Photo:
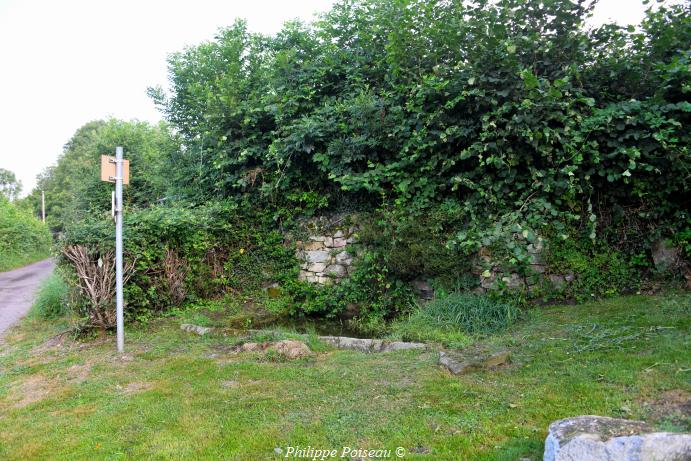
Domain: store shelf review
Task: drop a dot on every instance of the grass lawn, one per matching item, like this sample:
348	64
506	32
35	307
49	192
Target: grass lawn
175	395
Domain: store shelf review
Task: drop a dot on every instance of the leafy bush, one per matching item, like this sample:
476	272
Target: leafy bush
412	242
216	248
599	269
370	291
23	238
682	239
525	119
52	298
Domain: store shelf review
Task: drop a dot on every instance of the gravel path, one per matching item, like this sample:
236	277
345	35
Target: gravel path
17	291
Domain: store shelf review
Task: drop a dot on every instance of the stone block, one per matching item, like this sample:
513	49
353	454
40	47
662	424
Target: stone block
513	281
599	438
423	289
317	267
558	281
190	328
370	345
313	246
335	270
536	248
344	258
487	280
317	256
461	365
324	280
539	268
499	358
665	256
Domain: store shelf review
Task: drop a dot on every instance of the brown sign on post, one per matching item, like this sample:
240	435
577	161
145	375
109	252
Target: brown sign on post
108	169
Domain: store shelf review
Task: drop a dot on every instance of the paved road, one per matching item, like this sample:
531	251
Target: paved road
17	291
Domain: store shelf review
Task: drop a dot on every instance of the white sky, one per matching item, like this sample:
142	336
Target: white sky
64	63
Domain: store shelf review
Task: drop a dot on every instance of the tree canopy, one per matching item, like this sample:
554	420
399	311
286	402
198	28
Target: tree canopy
10	187
508	106
72	186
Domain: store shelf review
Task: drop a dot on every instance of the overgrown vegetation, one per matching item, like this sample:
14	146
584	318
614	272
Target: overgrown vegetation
53	298
452	317
456	130
73	190
181	255
23	238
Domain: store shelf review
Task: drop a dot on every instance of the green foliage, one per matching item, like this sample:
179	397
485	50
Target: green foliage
599	270
52	299
524	118
73	187
682	239
452	126
23	238
215	249
412	242
10	187
471	313
371	290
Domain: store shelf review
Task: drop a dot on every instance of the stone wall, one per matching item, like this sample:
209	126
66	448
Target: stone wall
492	277
326	255
328	246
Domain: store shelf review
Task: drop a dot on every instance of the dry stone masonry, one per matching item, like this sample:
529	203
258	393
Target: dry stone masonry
599	438
328	256
491	275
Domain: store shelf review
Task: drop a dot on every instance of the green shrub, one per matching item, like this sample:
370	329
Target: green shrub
187	252
682	239
412	241
523	118
599	269
462	124
371	289
23	238
52	299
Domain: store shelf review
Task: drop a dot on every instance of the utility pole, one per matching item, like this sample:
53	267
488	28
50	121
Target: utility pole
43	206
119	313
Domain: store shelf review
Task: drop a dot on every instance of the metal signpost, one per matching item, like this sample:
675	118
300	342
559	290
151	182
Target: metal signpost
117	170
118	249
